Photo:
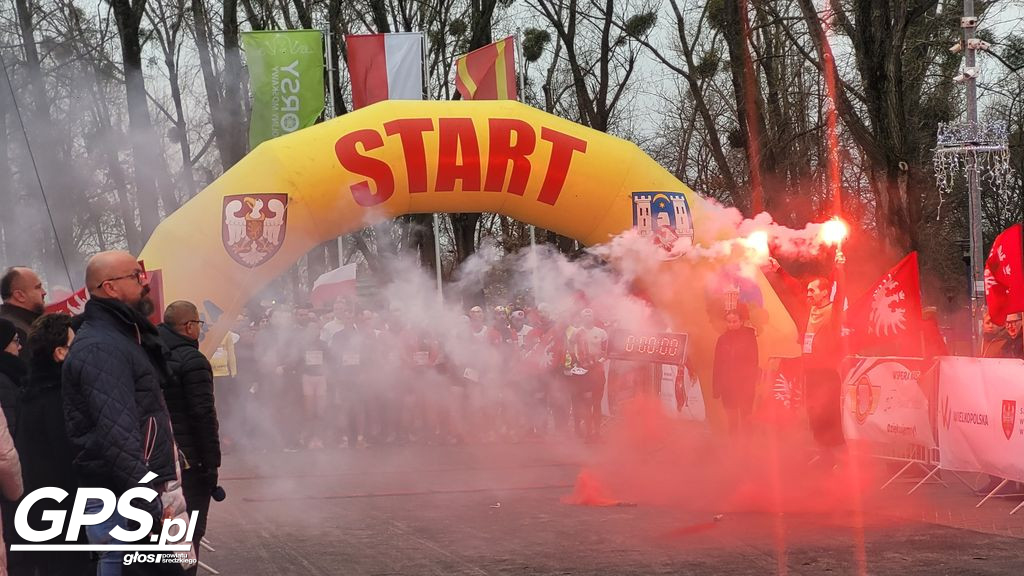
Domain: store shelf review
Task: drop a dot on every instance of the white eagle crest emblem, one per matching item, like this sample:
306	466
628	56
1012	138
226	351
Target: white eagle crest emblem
254	227
785	391
888	311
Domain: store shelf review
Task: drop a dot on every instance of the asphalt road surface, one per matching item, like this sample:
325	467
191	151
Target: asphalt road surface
499	509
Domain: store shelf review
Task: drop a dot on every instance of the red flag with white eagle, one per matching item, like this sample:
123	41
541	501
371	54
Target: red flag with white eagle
781	404
1004	280
886	321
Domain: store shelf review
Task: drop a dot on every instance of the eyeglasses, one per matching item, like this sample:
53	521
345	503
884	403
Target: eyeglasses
201	323
138	275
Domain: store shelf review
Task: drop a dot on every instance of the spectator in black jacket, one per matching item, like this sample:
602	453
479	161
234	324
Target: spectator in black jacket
114	409
42	441
12	370
190	401
12	373
736	371
23	298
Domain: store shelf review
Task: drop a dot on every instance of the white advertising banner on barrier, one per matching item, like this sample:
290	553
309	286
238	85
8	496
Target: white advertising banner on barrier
981	416
693	408
885	404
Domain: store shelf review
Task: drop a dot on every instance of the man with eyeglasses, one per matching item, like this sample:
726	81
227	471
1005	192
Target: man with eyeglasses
114	409
190	400
1014	346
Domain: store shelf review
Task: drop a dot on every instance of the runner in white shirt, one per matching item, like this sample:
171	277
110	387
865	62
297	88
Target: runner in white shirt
589	350
342	316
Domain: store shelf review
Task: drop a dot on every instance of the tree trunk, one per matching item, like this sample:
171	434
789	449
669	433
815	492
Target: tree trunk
58	182
128	16
746	90
188	180
421	239
334	27
222	132
464	225
234	88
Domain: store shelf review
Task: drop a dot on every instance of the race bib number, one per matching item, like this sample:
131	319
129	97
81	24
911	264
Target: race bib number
351	359
314	358
421	358
471	375
808	342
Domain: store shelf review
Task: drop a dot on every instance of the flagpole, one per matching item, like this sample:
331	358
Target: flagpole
436	223
522	99
329	60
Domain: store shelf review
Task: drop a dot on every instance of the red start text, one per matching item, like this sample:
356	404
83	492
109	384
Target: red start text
511	142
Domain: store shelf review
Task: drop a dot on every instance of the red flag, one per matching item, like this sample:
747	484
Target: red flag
886	321
73	305
488	73
1004	282
782	392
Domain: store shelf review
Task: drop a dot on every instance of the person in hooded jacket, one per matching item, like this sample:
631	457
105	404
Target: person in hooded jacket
115	416
42	442
10	478
190	401
12	372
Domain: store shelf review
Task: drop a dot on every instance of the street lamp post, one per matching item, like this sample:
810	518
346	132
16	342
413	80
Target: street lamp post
972	147
970	74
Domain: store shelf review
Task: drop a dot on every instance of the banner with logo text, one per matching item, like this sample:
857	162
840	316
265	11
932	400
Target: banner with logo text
686	406
286	78
885	404
981	415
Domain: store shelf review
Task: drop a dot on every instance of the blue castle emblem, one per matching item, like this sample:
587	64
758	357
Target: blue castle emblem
665	218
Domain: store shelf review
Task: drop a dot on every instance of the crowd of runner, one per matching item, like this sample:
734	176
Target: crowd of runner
294	378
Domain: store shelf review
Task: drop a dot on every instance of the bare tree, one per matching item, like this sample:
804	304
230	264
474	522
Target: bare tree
148	160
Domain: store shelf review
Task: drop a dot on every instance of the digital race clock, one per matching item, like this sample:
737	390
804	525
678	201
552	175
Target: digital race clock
660	347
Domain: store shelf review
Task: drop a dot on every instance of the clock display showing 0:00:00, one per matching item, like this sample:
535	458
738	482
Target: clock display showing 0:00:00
652	345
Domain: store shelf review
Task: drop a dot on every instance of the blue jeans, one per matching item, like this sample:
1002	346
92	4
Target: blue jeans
111	561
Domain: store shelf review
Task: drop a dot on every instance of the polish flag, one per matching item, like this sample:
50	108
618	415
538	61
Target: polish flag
385	67
331	285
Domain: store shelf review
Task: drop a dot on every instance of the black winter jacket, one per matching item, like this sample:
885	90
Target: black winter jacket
21	318
42	441
736	367
190	401
12	373
114	410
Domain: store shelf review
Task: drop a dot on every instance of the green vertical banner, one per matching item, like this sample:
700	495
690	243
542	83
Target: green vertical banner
286	78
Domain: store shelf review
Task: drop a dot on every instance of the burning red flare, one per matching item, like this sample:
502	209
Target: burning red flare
757	242
834	231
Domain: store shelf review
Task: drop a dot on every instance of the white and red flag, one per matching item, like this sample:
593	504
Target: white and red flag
1004	278
385	67
334	284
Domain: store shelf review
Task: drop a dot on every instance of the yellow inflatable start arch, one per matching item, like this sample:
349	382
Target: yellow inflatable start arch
396	158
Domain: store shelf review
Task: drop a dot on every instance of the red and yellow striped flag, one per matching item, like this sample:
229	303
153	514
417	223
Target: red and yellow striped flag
488	73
